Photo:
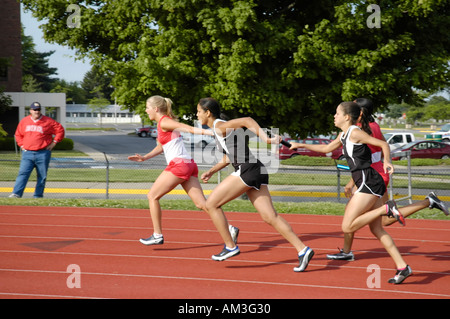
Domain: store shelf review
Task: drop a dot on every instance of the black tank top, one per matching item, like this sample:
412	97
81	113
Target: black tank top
235	145
358	155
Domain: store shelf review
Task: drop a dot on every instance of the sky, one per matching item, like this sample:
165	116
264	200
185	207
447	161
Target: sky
63	59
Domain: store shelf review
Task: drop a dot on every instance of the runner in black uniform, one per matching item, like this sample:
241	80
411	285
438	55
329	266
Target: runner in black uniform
235	145
250	177
359	159
370	185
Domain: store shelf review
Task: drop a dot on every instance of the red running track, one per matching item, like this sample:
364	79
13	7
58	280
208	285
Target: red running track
38	244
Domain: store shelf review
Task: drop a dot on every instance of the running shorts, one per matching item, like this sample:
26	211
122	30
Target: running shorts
369	181
378	166
252	174
183	168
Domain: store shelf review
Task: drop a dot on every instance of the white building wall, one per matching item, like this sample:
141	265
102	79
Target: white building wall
81	113
23	100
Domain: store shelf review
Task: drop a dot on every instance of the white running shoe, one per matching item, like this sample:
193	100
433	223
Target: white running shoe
304	260
234	232
152	241
226	253
435	202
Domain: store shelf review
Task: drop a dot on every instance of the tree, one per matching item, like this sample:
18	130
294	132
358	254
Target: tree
98	105
286	63
35	69
74	92
97	84
5	101
438	108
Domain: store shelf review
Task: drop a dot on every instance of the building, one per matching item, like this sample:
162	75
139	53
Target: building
81	113
11	73
11	46
11	58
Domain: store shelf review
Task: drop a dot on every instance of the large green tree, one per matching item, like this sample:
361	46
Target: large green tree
286	63
37	74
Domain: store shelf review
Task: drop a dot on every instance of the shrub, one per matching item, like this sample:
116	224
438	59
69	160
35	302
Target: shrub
7	144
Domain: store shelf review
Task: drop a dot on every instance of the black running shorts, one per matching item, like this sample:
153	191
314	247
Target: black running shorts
369	181
252	174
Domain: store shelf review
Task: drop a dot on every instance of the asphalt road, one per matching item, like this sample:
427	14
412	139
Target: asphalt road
117	144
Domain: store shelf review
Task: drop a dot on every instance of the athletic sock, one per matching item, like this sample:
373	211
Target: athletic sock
156	235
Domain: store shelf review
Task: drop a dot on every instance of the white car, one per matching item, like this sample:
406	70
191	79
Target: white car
398	139
197	140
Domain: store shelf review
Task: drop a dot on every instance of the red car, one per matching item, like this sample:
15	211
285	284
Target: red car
285	152
147	131
422	149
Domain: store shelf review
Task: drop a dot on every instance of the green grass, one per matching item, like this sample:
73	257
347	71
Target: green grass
9	171
311	208
179	204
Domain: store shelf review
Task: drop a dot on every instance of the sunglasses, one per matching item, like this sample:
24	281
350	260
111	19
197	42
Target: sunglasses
37	110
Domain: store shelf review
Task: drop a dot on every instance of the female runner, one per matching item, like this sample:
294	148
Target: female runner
181	168
431	201
370	184
250	177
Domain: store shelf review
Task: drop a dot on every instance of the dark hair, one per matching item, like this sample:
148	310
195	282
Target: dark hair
355	112
212	105
367	106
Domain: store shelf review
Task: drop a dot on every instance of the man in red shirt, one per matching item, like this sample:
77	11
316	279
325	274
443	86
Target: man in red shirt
36	135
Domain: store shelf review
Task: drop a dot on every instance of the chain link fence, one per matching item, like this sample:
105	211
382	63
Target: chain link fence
106	178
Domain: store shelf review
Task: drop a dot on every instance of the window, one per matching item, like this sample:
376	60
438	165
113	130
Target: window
3	73
4	62
396	139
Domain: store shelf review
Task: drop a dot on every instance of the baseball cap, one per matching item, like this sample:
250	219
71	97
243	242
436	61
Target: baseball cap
35	105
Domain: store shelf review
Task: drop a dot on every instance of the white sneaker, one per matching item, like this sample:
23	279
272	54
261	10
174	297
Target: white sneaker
435	202
152	241
304	260
226	253
234	232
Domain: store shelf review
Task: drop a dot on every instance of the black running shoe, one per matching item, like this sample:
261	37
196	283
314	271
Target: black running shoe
401	275
435	202
226	253
393	212
342	256
304	260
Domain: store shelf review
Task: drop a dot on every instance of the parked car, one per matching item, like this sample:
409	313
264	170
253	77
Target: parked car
422	149
284	152
147	131
444	132
197	139
396	140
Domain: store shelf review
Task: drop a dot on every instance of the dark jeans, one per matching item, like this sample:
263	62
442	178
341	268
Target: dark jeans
30	160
